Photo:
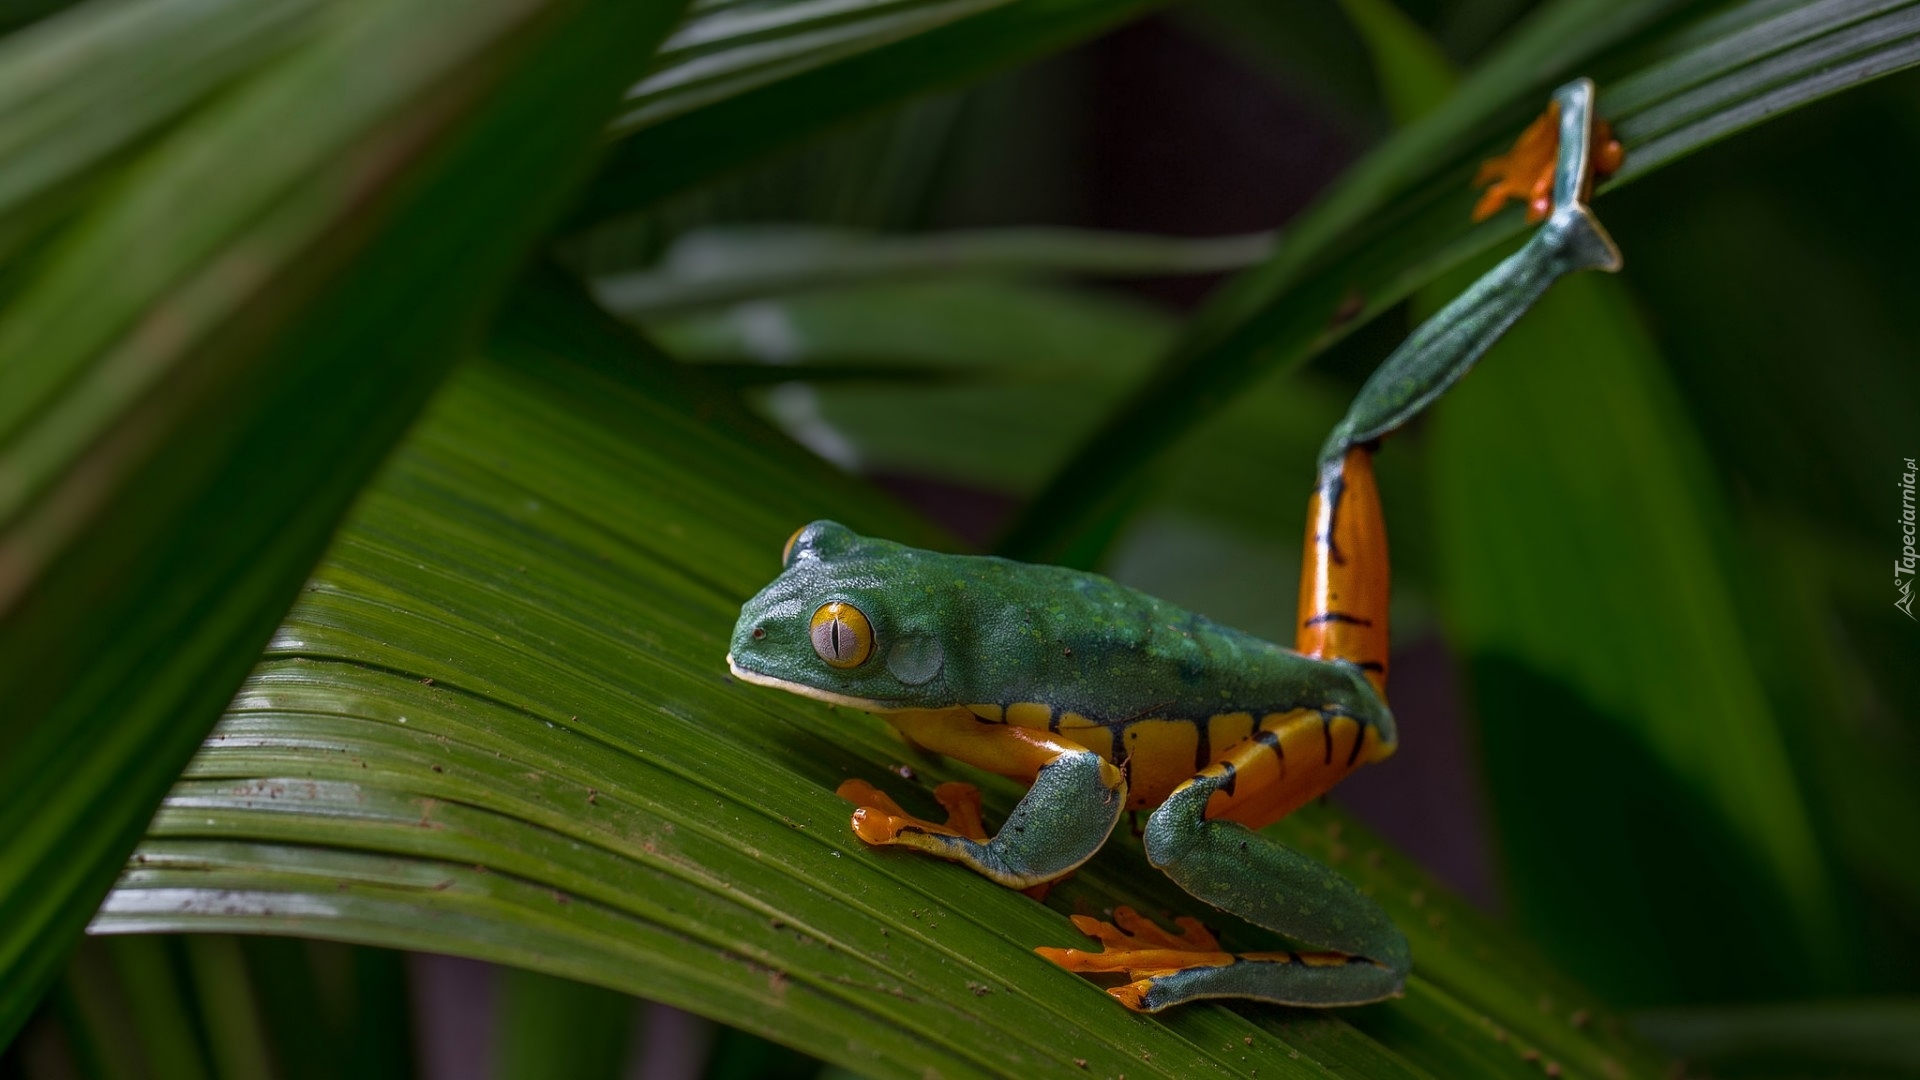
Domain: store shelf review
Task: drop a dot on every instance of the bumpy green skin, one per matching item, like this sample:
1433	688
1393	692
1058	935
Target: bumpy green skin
955	631
965	629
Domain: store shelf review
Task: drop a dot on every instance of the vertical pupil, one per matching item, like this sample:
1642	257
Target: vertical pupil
840	634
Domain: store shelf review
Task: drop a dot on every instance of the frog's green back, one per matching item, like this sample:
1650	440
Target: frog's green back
1039	646
1084	643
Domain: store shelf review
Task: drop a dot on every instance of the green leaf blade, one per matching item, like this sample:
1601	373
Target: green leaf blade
1594	604
499	725
679	152
1399	219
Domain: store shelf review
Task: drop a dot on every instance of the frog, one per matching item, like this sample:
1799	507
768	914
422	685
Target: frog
1102	699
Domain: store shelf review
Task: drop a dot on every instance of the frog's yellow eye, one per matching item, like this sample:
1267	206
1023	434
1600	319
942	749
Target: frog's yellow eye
842	635
786	551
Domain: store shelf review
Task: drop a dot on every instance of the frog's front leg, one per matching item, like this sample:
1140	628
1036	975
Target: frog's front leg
1075	800
1236	869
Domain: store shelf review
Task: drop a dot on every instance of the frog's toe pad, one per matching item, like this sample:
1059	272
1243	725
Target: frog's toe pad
962	803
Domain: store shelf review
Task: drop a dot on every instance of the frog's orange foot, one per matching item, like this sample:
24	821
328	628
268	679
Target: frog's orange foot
1145	953
1135	945
880	820
1525	172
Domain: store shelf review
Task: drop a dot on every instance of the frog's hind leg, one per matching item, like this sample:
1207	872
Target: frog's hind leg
1200	837
1343	582
1344	575
1075	800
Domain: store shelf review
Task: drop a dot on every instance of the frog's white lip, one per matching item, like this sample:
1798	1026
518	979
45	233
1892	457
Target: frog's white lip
757	679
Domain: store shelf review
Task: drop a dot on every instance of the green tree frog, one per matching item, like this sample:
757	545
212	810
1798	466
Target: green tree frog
1104	699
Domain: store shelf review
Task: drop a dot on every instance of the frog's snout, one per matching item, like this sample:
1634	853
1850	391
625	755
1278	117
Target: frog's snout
752	647
758	678
733	666
745	637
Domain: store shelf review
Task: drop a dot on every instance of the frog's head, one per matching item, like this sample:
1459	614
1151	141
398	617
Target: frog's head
849	620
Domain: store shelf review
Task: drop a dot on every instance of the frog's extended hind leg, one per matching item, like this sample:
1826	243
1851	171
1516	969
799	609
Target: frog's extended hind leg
1343	581
1075	800
1200	838
1203	835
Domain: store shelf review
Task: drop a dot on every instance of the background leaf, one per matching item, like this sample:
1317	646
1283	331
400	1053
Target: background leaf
1657	754
1864	1037
1009	374
1400	217
154	1008
710	267
1415	76
61	121
173	346
668	157
1782	272
558	1027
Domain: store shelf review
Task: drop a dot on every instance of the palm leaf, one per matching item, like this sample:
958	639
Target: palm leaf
728	49
716	266
60	123
291	266
497	724
674	153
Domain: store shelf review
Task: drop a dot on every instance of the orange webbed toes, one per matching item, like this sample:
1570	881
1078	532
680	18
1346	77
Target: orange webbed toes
880	820
877	819
962	803
861	793
1107	934
1133	995
1525	172
1071	959
1134	944
1148	934
1196	936
1134	963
